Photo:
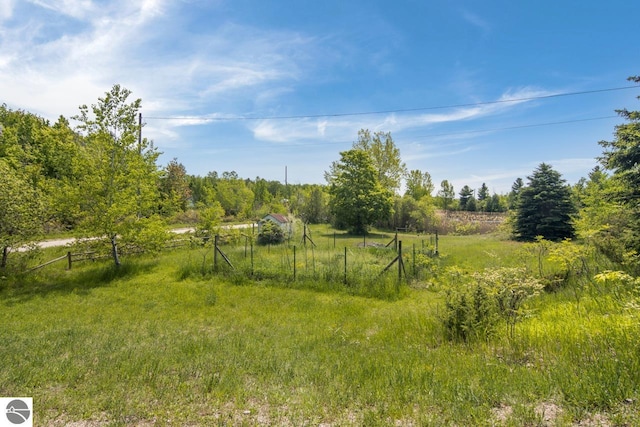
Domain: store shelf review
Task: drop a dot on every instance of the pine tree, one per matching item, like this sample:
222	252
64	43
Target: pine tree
545	207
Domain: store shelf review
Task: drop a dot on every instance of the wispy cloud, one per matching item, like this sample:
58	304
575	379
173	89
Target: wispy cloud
328	128
59	55
475	20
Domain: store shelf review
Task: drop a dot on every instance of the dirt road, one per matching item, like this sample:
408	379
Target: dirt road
64	242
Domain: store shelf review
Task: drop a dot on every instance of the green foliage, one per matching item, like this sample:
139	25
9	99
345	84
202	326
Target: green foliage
20	211
472	312
174	188
234	196
357	197
466	194
385	157
622	156
120	184
314	209
270	233
446	194
603	221
545	207
514	195
145	234
419	184
209	220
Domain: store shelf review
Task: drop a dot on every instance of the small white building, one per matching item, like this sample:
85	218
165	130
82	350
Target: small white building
282	221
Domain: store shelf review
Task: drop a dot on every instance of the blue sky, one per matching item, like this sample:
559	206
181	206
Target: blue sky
218	79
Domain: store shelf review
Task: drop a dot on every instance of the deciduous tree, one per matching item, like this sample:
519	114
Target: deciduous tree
446	194
121	181
385	157
419	184
20	211
358	199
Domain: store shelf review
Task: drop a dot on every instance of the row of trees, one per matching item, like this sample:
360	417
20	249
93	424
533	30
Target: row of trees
101	178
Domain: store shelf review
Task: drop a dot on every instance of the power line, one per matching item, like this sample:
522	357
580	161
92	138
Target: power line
403	110
334	142
517	127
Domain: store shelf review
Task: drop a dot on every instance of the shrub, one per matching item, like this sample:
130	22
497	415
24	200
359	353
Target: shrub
473	311
270	233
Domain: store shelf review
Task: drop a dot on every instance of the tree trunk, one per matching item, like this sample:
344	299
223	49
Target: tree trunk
5	254
114	251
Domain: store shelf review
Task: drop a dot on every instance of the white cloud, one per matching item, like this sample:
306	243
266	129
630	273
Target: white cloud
6	9
51	68
326	128
475	20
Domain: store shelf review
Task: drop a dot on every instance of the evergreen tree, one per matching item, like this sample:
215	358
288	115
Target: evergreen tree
514	194
545	207
466	193
622	156
483	197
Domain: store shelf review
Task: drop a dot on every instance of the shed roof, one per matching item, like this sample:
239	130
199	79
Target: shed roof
278	217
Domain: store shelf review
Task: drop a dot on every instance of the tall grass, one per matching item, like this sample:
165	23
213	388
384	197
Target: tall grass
159	342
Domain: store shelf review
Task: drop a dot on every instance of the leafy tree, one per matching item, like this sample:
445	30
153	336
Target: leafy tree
358	199
545	207
423	216
446	194
622	156
121	177
314	210
385	157
20	211
174	188
261	194
466	193
419	184
234	196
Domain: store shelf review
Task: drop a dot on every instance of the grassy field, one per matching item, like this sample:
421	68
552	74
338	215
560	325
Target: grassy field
161	342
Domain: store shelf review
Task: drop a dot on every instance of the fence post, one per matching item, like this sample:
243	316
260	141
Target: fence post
399	261
215	253
252	258
437	242
294	263
345	265
69	260
414	261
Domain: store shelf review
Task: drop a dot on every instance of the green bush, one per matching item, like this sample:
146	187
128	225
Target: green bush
270	233
473	311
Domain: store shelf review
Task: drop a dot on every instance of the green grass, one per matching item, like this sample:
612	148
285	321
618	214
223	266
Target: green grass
151	345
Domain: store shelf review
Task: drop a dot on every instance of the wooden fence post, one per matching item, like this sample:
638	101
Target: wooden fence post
69	260
345	265
400	261
215	253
